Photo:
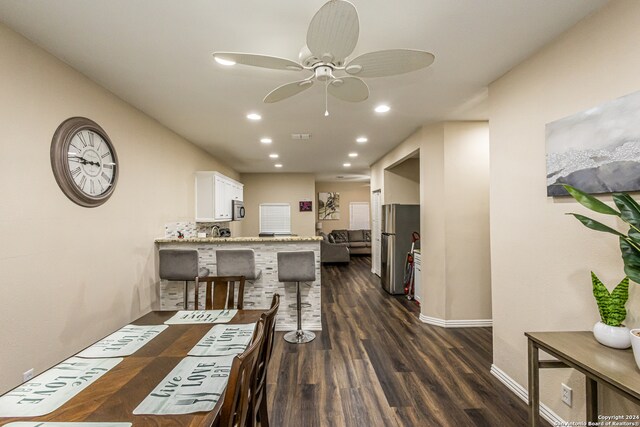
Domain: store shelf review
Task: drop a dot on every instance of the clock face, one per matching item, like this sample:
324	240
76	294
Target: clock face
91	162
84	162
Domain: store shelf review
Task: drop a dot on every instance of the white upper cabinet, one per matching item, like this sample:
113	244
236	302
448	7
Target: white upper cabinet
214	195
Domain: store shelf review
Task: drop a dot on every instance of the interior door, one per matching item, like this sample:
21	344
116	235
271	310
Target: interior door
376	231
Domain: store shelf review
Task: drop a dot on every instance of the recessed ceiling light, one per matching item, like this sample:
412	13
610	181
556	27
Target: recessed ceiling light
353	154
382	108
254	116
226	62
266	140
274	156
361	140
278	165
346	165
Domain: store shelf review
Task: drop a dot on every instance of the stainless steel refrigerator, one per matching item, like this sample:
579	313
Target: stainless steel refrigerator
398	224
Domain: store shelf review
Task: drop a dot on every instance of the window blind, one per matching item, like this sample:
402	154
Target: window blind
275	218
359	216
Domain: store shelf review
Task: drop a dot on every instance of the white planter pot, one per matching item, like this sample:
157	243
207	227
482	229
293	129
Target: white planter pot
612	336
635	344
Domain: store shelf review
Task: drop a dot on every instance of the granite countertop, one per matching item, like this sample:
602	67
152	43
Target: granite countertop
239	239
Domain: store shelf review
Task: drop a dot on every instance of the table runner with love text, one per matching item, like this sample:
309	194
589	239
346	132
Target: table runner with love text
53	388
194	385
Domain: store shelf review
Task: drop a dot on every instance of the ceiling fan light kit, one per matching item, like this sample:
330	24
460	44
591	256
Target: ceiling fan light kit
332	36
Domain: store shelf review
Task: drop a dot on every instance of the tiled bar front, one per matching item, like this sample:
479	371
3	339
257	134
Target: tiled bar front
258	294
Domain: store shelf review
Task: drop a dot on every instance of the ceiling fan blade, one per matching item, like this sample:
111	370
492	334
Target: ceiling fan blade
255	60
389	62
287	90
333	31
350	89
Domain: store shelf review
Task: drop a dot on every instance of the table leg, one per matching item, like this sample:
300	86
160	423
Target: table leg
534	385
592	399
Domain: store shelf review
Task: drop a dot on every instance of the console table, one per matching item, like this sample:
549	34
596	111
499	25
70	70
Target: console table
580	351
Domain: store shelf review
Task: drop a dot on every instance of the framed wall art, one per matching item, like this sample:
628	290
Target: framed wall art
596	150
328	206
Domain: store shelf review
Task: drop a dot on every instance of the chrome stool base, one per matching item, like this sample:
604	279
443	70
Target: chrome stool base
299	337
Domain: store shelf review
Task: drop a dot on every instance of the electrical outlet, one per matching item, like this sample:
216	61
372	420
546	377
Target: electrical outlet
567	394
27	375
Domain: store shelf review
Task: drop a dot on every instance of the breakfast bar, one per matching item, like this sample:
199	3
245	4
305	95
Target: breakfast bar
258	293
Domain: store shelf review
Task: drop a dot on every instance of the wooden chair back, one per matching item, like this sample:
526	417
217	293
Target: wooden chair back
258	405
220	292
235	406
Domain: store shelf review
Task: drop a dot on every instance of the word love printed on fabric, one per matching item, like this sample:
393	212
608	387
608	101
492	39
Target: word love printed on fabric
194	385
51	389
224	340
123	342
201	316
54	424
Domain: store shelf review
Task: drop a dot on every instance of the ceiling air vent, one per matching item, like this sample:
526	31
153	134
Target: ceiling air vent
300	136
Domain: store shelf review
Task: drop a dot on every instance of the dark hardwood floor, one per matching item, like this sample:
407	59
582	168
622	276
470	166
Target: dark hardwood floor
376	364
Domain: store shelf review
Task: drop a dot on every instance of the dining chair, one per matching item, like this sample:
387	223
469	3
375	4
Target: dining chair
238	262
220	290
258	413
235	407
181	265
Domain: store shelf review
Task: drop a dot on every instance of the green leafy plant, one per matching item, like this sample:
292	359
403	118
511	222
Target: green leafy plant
611	305
629	213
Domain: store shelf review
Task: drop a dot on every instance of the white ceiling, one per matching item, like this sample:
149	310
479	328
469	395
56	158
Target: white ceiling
156	54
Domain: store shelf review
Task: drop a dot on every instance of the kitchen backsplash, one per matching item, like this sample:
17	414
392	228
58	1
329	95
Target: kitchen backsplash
191	229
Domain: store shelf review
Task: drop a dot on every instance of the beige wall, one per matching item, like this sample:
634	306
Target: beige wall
349	192
70	275
402	182
466	178
454	215
541	258
279	188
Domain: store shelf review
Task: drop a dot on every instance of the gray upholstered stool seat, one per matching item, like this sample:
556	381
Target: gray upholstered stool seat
238	262
297	267
181	265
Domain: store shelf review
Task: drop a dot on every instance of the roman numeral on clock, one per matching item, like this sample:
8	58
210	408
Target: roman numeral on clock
91	139
76	172
105	177
83	181
84	143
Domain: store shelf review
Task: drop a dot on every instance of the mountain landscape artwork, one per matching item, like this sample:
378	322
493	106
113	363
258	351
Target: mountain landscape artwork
597	150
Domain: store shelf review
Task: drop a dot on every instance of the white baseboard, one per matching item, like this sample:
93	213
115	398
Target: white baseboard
470	323
523	394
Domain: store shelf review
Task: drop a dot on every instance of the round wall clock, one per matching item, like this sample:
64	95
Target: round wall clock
84	162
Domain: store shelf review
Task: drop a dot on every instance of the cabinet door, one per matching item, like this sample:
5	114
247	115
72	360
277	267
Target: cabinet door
204	197
236	191
220	198
418	275
228	196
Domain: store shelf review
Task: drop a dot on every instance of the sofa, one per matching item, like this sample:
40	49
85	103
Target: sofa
333	252
358	241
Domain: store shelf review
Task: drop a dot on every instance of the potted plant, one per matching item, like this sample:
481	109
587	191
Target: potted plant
610	331
629	212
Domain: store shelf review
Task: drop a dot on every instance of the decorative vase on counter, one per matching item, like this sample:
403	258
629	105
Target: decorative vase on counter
613	336
634	334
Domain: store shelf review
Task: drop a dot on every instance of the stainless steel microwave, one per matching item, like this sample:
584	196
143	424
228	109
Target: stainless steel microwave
238	210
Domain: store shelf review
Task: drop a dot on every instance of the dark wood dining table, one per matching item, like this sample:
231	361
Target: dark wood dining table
115	395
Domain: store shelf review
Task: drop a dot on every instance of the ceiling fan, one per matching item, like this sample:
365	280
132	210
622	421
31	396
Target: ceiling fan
331	38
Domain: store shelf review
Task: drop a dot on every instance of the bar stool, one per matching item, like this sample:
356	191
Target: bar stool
238	262
297	267
181	265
